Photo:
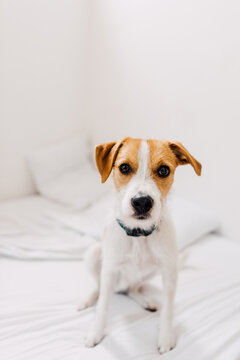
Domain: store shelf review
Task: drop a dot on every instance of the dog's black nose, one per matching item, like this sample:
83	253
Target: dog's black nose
142	204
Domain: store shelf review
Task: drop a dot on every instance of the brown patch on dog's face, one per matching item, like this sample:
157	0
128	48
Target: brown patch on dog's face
127	155
160	154
171	154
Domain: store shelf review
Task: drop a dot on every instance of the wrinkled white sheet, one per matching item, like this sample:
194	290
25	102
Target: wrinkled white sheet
38	317
190	220
36	228
26	231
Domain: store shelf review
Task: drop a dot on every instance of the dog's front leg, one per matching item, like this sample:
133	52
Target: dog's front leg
166	339
107	281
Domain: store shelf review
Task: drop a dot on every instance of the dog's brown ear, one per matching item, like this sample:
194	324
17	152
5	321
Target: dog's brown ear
184	157
105	155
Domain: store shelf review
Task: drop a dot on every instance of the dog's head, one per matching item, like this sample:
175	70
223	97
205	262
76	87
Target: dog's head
143	172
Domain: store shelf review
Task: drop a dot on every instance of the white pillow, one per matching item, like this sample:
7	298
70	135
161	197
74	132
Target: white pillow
191	221
78	188
51	161
63	173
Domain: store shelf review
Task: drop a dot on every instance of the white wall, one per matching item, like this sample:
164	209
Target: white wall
170	69
42	81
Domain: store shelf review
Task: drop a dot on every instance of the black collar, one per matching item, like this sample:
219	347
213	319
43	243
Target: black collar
136	232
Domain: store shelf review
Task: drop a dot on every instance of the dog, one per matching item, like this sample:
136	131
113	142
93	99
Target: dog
139	238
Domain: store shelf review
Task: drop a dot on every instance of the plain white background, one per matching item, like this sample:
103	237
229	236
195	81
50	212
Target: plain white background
142	68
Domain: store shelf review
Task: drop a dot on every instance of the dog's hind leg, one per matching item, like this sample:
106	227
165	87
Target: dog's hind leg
93	265
148	303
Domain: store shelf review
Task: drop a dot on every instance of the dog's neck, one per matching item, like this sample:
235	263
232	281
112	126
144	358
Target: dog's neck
136	232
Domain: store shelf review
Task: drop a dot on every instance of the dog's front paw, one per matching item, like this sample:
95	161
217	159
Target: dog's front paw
93	338
166	343
151	305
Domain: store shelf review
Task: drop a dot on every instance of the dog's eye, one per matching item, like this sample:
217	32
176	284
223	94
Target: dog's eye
125	169
163	171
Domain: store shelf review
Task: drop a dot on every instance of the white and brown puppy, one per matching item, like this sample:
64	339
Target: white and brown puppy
139	239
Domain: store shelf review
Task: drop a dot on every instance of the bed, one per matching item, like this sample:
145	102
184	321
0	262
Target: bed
42	277
43	239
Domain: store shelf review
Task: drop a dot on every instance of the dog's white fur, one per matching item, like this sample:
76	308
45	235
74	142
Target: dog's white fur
126	262
142	182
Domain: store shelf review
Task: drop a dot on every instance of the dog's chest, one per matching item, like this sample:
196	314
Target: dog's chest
138	252
137	265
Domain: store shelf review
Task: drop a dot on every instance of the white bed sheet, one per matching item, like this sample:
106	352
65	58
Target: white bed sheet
39	320
27	232
37	228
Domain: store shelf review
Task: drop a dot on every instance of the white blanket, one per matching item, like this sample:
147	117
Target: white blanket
39	320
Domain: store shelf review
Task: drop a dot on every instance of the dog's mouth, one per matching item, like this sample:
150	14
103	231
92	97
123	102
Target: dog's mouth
136	231
141	217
